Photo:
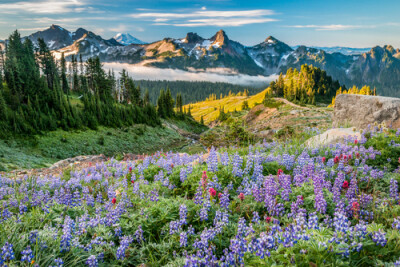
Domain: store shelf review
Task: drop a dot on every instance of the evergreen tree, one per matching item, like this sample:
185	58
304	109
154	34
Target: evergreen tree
146	98
64	80
169	103
161	105
179	103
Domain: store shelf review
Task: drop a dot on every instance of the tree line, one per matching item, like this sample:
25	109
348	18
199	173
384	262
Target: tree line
365	90
39	93
194	91
305	86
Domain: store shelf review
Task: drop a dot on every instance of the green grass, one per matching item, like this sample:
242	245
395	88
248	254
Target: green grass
44	150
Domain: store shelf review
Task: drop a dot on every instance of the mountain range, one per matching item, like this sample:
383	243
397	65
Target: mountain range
378	67
340	49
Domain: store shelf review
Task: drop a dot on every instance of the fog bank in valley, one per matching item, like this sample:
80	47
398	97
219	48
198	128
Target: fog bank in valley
213	75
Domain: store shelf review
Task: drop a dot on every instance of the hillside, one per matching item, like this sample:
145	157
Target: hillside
41	151
210	109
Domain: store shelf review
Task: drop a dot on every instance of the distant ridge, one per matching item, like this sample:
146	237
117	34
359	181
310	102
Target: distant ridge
378	67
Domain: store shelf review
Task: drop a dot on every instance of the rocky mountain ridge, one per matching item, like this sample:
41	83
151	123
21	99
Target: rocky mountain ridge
379	67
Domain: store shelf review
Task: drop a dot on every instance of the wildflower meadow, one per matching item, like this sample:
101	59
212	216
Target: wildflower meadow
269	204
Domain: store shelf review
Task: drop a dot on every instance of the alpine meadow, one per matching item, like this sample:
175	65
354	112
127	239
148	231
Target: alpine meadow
199	133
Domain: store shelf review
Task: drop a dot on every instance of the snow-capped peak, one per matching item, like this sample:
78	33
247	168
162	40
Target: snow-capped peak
127	39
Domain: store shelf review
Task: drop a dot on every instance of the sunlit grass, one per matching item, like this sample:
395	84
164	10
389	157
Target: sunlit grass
209	109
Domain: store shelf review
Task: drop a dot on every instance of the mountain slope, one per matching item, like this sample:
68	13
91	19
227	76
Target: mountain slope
57	37
127	39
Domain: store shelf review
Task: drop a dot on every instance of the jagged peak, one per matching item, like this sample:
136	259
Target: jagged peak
389	48
192	37
56	27
271	40
220	37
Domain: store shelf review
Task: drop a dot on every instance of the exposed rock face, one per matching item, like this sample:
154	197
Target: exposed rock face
332	136
360	111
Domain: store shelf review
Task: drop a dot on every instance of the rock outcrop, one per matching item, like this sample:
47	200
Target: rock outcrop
361	110
333	136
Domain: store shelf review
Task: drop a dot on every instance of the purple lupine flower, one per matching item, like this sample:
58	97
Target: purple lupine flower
212	160
379	237
124	244
27	255
394	189
92	261
341	222
183	175
396	223
139	234
58	262
7	253
183	214
224	199
183	239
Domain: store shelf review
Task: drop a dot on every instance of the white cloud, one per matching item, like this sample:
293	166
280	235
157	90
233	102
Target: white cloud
206	13
204	17
47	20
213	75
332	27
119	28
160	20
31	29
43	7
221	22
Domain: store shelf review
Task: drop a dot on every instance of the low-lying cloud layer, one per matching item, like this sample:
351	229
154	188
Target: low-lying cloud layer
216	75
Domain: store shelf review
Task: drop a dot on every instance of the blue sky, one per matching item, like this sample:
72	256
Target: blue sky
321	23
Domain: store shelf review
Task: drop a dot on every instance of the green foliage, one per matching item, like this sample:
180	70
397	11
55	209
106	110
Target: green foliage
36	95
245	105
222	115
165	104
269	102
285	133
306	86
390	152
43	150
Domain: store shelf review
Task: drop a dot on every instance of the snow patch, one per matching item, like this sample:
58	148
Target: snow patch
258	63
285	57
50	44
216	45
206	43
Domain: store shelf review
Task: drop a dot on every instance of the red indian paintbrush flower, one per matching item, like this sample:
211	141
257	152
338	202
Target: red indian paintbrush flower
280	171
323	159
241	196
336	160
268	219
114	200
345	185
356	141
212	192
